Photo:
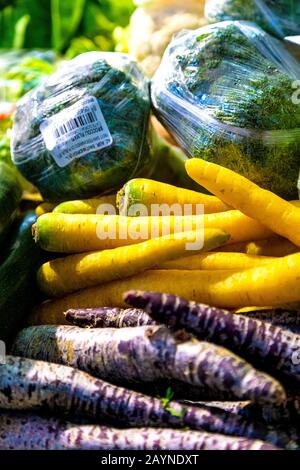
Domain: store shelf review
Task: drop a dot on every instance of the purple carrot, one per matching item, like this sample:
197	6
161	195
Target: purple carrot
184	391
283	419
267	414
29	385
287	319
235	407
148	354
30	432
286	413
273	348
108	317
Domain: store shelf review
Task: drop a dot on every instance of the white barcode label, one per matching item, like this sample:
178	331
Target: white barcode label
76	131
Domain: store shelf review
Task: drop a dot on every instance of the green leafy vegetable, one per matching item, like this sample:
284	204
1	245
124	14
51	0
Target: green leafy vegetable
122	94
225	92
279	17
169	397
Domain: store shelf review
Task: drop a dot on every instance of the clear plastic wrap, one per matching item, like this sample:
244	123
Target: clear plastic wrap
83	132
225	93
279	17
155	22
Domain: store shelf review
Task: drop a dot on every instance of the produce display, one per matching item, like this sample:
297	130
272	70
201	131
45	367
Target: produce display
225	93
278	17
149	227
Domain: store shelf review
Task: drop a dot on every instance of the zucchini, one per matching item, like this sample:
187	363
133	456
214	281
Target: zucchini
17	277
10	196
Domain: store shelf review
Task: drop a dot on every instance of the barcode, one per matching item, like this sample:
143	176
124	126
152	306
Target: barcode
76	123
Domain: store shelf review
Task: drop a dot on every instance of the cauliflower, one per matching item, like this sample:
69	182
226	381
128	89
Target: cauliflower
154	24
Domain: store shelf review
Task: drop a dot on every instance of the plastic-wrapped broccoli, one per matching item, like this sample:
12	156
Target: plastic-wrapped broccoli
225	93
84	130
279	17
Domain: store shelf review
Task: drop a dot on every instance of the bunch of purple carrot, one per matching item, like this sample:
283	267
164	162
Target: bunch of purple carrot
165	374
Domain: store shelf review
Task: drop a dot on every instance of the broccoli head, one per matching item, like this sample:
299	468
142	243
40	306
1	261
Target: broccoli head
278	17
121	93
225	93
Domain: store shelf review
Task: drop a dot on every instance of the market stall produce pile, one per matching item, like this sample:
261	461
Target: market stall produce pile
219	373
150	292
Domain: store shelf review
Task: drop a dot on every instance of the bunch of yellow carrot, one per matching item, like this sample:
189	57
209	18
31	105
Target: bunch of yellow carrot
250	254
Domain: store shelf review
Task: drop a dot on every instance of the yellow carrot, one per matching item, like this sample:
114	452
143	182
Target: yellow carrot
151	193
246	310
272	247
35	197
217	262
65	275
280	216
289	307
44	208
73	233
274	284
87	206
